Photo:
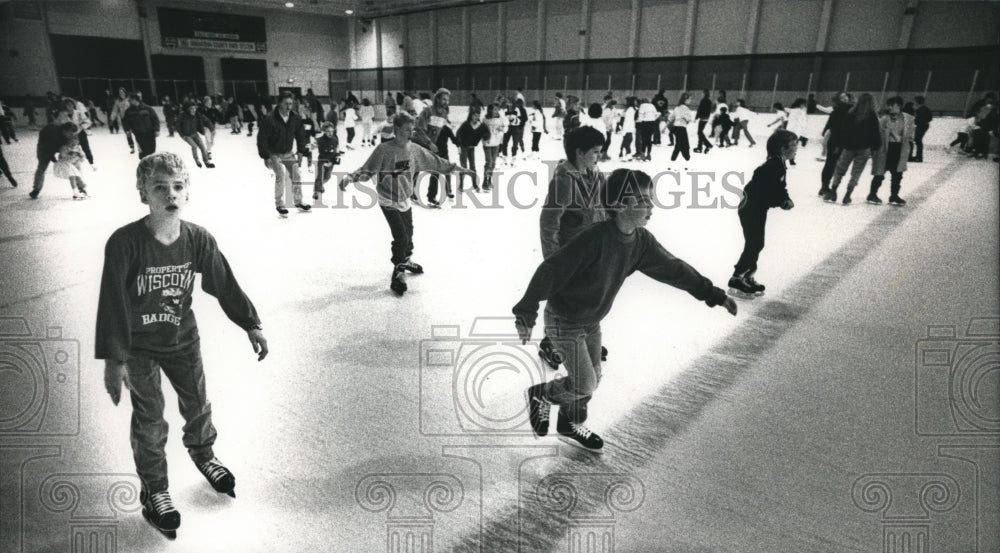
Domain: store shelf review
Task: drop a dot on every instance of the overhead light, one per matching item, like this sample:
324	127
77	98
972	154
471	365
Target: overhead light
289	4
349	12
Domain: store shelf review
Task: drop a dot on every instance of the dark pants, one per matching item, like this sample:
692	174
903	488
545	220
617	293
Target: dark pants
829	166
324	168
401	227
724	137
607	142
147	143
703	143
919	141
646	130
432	188
149	429
893	153
350	134
85	145
656	132
626	147
43	165
536	137
467	158
128	137
7	130
752	219
681	146
517	136
5	169
171	128
506	141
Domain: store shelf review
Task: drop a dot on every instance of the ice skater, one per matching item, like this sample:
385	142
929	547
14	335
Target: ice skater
279	133
192	126
766	189
394	166
145	325
898	132
579	283
70	161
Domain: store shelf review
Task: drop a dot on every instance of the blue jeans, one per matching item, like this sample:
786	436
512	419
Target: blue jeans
859	158
581	345
149	430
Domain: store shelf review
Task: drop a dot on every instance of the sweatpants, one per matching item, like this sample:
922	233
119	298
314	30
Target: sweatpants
702	139
536	137
467	158
489	163
401	227
149	429
581	346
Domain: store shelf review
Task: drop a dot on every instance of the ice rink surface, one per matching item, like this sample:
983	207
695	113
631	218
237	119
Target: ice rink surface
852	407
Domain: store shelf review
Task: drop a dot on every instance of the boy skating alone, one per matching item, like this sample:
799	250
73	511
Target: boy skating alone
145	325
580	282
394	166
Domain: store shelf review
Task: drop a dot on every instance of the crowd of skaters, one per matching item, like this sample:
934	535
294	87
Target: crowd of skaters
589	248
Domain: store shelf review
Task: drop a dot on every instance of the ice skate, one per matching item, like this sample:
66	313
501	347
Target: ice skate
398	282
896	201
578	435
874	199
538	410
739	287
411	267
304	208
831	197
218	476
758	288
282	212
158	509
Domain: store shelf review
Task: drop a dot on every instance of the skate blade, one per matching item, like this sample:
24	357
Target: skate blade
231	493
741	294
578	445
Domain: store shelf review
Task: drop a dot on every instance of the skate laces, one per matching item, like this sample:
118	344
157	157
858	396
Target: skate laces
213	470
161	502
580	429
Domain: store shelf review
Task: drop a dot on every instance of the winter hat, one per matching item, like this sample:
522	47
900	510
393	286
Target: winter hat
441	91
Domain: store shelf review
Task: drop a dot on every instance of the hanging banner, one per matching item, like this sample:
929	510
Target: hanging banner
211	31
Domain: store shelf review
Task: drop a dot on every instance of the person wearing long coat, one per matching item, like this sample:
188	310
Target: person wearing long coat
898	130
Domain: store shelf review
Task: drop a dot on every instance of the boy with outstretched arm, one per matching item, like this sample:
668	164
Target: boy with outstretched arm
394	166
145	325
580	282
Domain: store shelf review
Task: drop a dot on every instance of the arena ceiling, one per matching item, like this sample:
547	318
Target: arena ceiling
361	8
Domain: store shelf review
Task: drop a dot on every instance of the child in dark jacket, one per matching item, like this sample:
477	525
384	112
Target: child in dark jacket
469	135
579	282
327	146
765	190
857	135
725	124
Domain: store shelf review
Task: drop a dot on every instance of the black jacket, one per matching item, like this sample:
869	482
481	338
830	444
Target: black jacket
704	108
276	136
468	137
50	139
141	119
767	187
849	134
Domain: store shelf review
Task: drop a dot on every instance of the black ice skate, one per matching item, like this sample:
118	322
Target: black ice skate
758	288
874	199
897	201
604	353
159	511
412	267
538	409
552	357
282	212
218	476
304	208
739	287
831	197
578	435
398	282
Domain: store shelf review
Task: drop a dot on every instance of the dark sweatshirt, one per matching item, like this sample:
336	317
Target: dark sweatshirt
188	125
766	188
327	147
468	137
50	139
849	134
275	136
704	109
141	119
582	279
145	300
